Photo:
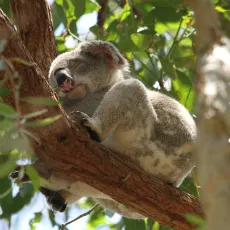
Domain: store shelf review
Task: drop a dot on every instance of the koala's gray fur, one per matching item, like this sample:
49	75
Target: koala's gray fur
151	128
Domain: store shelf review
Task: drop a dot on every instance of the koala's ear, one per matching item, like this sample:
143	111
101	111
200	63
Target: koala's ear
105	50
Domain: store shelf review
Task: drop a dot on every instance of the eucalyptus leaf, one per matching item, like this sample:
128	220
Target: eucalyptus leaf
41	101
3	91
7	111
36	220
42	122
34	177
132	224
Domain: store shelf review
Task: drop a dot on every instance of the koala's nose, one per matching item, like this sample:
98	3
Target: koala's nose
61	75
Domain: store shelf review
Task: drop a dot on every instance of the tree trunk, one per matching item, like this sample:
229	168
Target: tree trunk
213	112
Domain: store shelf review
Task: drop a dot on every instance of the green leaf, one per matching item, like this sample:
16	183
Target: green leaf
42	122
158	3
7	164
5	6
36	220
131	224
6	124
52	217
19	60
142	41
125	13
2	67
183	88
91	6
196	220
188	187
168	67
97	217
79	7
7	111
35	114
34	177
10	204
69	8
97	31
58	15
41	101
3	91
73	26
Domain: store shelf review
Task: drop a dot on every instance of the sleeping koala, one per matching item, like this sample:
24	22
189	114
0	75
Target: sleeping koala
122	114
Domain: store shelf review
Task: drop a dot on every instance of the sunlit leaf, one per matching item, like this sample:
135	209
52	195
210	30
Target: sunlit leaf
193	219
158	3
91	6
19	60
125	13
34	177
142	41
41	101
36	220
35	114
42	122
96	218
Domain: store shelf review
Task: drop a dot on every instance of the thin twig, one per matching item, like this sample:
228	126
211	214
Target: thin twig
15	87
82	215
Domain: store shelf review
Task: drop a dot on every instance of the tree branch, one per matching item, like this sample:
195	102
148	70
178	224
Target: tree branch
34	23
213	112
75	156
102	13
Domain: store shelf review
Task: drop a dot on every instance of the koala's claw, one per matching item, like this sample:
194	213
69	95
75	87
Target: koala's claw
85	122
78	115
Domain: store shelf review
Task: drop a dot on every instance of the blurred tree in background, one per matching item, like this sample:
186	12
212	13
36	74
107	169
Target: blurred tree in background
157	38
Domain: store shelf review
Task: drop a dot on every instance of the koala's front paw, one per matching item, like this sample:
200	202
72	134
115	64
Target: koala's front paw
54	199
86	122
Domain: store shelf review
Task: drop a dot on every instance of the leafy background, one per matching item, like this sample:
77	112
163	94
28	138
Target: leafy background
157	38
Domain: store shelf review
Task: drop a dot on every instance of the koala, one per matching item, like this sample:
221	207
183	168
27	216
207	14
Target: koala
153	129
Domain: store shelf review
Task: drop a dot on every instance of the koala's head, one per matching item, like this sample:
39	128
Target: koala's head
92	66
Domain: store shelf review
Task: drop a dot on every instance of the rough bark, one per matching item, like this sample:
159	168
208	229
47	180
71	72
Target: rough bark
34	23
102	13
75	156
213	112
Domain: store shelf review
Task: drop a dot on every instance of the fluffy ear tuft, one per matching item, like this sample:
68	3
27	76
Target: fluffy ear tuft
107	51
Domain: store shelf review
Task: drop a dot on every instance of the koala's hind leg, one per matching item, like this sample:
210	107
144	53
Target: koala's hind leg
125	109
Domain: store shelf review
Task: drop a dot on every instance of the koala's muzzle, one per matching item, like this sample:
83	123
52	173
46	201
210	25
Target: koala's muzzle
64	80
61	75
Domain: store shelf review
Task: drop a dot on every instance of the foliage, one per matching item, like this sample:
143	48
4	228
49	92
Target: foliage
157	38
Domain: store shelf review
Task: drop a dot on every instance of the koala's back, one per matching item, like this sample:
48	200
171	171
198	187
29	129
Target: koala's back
175	125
